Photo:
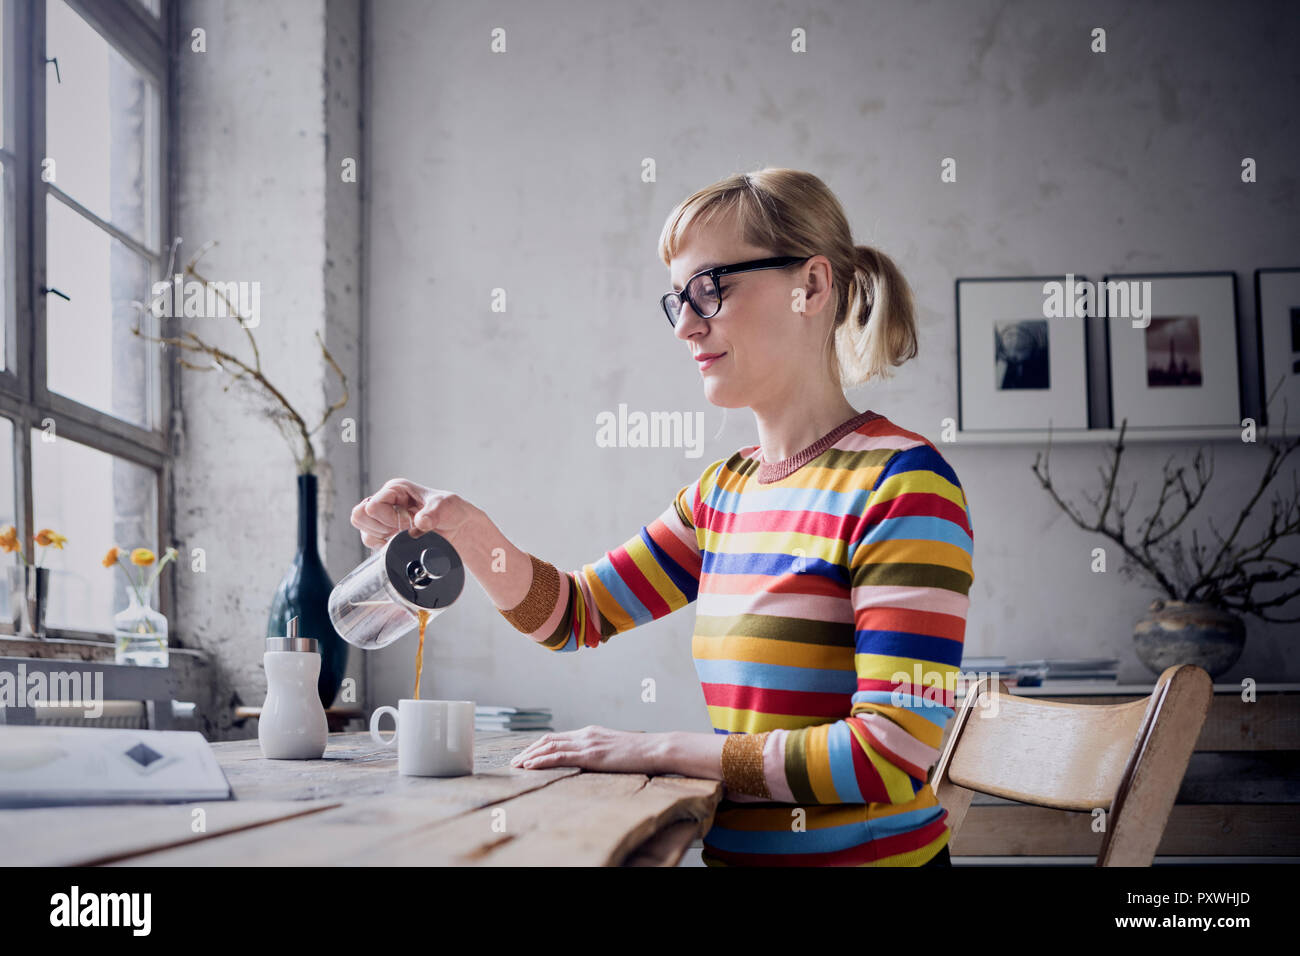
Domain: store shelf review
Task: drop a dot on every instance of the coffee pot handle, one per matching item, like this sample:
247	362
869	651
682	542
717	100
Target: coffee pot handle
374	726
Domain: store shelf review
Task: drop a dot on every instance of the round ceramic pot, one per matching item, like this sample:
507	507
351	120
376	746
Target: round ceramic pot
1175	632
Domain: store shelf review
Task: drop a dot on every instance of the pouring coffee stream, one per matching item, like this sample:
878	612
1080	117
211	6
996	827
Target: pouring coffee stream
419	652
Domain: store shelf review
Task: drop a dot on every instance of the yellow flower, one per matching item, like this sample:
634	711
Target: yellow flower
9	538
142	557
110	559
47	538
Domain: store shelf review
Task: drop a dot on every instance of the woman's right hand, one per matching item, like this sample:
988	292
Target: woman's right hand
402	505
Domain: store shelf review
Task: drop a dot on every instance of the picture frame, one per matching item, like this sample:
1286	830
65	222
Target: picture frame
1183	368
1017	369
1277	334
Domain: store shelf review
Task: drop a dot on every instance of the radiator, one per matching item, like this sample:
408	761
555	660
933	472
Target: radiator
130	714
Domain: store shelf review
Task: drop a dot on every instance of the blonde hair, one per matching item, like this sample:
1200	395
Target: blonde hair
792	212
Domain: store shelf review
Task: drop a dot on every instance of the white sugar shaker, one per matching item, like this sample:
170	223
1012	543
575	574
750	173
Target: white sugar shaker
292	725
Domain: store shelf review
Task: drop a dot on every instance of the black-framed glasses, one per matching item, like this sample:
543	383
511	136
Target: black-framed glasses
705	295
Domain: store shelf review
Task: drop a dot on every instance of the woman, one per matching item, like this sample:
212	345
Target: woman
832	560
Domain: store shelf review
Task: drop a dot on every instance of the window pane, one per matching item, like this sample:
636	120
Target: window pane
7	510
96	501
101	126
8	266
91	354
4	77
8	233
153	6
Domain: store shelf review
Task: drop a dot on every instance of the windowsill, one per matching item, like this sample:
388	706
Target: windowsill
61	648
67	648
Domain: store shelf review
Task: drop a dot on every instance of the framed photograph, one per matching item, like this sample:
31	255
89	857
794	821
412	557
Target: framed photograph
1277	330
1172	349
1020	366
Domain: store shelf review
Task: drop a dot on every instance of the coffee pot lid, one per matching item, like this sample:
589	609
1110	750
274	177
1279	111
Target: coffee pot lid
425	571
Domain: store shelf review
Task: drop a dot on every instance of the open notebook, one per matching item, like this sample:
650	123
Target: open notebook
54	766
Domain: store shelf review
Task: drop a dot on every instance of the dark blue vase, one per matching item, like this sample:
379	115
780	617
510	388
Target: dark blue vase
305	593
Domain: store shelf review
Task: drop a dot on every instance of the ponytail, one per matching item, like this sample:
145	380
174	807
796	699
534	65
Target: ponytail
877	326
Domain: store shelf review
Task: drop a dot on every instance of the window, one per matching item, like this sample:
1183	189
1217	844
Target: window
84	403
7	516
103	498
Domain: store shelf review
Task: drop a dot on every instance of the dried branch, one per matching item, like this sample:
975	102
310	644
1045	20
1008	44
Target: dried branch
1225	575
343	381
1225	555
1098	525
292	424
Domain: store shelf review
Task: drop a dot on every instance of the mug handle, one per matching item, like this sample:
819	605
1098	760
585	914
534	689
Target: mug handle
374	726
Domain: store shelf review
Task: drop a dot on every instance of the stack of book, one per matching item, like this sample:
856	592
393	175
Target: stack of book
512	718
990	666
1099	670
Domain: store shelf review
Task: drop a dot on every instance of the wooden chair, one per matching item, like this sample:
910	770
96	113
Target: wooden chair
1128	759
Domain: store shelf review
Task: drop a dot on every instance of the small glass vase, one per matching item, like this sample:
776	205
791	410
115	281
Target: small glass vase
140	632
29	591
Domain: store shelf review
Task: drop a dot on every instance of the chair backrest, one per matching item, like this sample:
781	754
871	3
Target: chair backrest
1128	759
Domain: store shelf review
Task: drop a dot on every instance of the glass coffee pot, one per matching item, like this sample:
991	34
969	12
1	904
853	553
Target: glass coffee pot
380	599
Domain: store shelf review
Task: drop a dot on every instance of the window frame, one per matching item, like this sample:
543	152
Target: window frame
24	396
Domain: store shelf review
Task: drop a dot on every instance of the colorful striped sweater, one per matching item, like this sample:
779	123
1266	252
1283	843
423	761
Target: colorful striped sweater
832	591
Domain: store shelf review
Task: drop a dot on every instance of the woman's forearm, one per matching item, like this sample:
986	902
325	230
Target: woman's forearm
504	571
692	755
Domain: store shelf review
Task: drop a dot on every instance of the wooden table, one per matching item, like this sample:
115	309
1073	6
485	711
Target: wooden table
353	808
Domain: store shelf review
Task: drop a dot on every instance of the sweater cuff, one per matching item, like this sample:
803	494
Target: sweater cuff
742	764
536	607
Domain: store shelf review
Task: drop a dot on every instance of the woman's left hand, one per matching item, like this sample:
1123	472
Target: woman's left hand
594	748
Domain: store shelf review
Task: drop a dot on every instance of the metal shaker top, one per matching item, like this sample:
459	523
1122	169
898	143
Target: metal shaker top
293	642
425	571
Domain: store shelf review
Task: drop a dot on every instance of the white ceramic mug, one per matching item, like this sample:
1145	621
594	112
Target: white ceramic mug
437	736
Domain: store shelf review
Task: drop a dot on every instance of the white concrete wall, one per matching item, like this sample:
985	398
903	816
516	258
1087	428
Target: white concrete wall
263	117
522	171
